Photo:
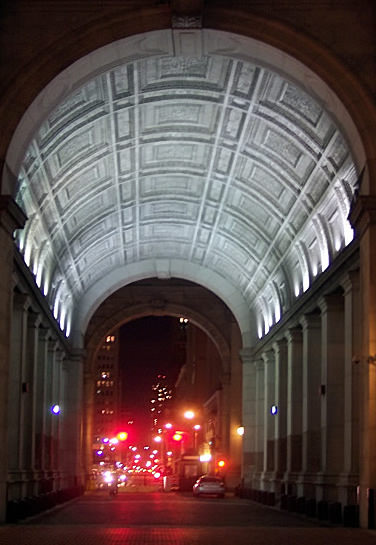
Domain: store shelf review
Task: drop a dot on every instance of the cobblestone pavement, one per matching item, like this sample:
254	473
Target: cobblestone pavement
174	519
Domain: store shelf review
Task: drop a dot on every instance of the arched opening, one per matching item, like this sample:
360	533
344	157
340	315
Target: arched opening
203	349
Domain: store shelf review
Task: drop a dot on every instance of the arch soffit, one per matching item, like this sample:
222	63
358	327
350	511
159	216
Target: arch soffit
169	309
165	269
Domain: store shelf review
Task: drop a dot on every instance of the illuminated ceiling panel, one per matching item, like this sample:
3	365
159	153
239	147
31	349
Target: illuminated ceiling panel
209	159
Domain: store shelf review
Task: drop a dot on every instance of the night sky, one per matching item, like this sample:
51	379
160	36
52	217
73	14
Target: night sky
148	347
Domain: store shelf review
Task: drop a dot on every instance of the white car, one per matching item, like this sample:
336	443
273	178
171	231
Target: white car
209	485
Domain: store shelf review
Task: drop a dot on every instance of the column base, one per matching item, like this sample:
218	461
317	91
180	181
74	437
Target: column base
348	488
326	486
306	484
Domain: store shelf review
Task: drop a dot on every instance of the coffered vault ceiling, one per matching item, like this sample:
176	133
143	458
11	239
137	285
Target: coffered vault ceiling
207	159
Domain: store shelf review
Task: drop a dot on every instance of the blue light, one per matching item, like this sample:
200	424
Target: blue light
274	410
55	409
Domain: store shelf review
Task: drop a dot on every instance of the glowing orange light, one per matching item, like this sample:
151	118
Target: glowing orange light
221	463
177	437
122	436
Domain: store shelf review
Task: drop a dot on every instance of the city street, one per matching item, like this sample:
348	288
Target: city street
155	518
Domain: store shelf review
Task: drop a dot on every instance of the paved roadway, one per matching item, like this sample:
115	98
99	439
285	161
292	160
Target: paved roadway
157	518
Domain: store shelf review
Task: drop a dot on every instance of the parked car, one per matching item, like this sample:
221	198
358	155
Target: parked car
209	485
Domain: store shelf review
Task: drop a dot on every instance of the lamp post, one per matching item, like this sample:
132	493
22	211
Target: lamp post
196	429
240	432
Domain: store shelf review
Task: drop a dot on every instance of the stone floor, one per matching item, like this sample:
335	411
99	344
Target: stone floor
174	519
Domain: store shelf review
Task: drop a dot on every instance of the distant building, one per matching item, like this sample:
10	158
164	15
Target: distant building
107	390
160	401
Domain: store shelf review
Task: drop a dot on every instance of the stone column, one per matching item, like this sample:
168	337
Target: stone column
58	393
311	426
29	407
21	304
294	408
363	217
260	392
11	218
41	409
349	479
72	419
332	396
224	423
249	418
269	418
50	418
280	444
236	404
89	389
19	337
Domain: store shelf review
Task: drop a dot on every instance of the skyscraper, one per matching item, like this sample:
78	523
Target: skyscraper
107	389
160	401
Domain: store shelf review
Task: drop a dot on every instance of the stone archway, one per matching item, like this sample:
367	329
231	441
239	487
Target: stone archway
192	302
351	103
161	308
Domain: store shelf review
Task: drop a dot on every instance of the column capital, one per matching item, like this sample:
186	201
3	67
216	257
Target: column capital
279	345
310	321
363	214
294	334
246	355
12	216
34	319
45	333
268	356
21	301
350	281
53	344
74	358
59	354
331	301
